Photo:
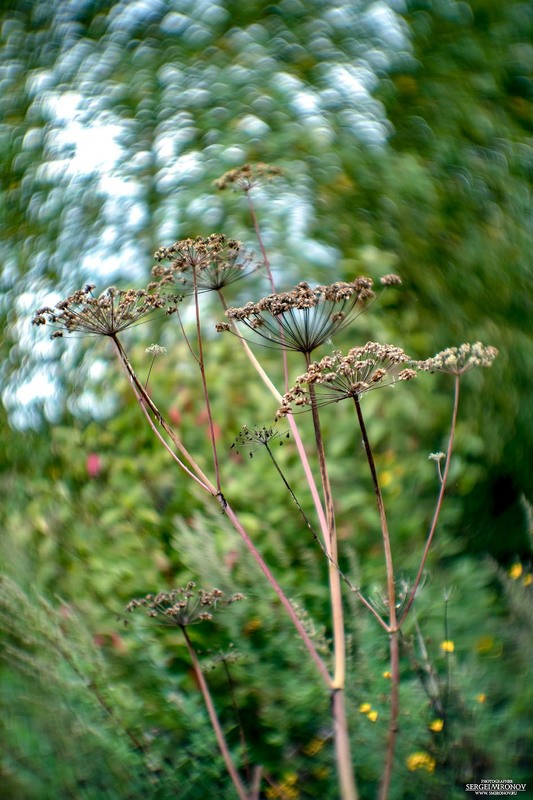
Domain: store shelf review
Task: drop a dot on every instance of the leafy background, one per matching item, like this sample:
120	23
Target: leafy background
404	132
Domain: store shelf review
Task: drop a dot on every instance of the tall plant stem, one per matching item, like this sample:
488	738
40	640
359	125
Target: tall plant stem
146	403
221	739
201	365
322	546
230	513
438	506
266	262
394	645
292	424
342	739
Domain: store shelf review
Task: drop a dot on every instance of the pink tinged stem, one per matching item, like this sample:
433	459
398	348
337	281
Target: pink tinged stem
293	426
143	401
280	593
348	789
438	507
221	739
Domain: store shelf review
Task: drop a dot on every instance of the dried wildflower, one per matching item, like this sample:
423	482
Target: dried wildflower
247	176
458	360
248	439
337	377
390	280
304	318
106	315
184	606
209	263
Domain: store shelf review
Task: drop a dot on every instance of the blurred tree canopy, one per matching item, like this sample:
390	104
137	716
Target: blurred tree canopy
405	133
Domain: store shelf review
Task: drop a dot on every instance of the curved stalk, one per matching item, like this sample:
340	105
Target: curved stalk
438	506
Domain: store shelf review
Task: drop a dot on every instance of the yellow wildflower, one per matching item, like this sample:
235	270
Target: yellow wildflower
421	761
387	674
528	580
481	698
314	746
515	571
364	708
437	725
448	646
372	716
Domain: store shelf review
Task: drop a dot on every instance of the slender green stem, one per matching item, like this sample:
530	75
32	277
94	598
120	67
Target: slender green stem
394	645
440	498
221	739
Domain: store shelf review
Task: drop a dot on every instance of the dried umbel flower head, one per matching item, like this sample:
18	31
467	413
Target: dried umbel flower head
249	439
207	263
458	360
304	318
247	176
184	606
337	377
106	315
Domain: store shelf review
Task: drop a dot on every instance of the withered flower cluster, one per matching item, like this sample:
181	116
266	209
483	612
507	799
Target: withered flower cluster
337	377
248	176
458	360
304	318
106	315
248	439
209	263
184	606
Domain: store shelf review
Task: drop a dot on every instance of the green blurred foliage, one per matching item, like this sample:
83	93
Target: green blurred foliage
405	137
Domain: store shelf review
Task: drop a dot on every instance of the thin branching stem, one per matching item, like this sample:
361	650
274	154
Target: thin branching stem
438	506
201	365
394	644
244	746
219	733
144	401
305	518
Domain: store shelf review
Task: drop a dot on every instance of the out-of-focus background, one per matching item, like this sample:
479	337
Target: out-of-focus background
405	134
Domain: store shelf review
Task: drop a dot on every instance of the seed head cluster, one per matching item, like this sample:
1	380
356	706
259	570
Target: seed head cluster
106	315
207	263
248	176
337	377
184	606
304	318
249	439
458	360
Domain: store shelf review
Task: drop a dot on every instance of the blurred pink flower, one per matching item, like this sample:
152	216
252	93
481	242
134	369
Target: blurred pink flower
94	465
